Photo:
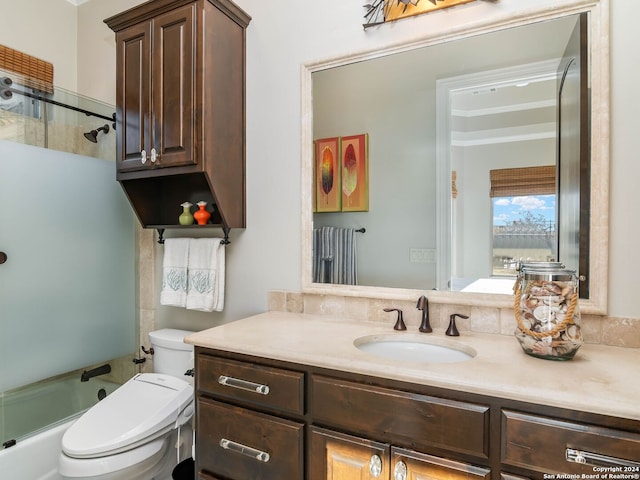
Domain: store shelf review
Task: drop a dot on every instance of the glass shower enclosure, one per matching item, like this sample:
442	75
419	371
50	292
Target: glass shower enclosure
67	243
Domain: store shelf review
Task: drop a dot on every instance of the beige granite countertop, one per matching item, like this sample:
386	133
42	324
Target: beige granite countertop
599	379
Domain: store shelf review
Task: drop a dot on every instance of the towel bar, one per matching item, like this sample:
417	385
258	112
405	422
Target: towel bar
224	241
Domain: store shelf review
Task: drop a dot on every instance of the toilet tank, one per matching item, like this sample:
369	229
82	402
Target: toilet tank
171	355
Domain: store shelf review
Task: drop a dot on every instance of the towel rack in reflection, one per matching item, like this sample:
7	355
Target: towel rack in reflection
361	230
224	241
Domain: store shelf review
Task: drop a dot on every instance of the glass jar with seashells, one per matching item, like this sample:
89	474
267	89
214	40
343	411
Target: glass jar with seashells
547	311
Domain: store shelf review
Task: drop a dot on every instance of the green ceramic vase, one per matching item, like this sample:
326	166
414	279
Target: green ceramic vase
186	218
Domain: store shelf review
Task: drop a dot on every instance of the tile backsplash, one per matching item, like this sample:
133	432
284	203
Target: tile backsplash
597	329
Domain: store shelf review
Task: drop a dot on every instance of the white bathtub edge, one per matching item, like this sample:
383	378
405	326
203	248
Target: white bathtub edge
36	457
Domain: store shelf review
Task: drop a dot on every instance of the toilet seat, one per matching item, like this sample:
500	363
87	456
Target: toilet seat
144	408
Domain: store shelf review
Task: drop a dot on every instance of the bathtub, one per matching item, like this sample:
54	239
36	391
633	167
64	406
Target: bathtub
37	417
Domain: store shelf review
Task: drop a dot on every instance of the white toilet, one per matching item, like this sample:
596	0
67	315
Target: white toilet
141	430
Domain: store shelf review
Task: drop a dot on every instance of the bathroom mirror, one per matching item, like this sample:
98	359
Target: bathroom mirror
441	117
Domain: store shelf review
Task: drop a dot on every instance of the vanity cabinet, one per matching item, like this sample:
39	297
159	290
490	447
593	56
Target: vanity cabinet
542	444
249	420
335	456
180	109
263	418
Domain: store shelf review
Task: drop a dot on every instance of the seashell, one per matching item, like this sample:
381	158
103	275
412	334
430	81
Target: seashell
553	300
572	332
553	287
531	303
567	290
543	313
539	291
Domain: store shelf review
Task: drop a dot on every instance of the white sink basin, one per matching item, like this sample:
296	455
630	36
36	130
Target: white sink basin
415	348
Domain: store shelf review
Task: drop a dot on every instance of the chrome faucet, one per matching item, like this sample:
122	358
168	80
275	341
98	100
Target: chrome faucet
423	304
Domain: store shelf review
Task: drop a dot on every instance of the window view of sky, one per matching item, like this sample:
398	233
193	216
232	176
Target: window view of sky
508	209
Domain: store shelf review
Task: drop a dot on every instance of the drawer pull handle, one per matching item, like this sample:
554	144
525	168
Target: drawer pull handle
595	459
243	385
244	450
143	156
154	155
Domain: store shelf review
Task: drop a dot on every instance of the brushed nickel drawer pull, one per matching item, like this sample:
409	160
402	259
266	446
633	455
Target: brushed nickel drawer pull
244	450
595	459
243	385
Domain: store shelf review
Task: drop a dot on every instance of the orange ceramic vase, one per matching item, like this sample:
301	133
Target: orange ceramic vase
201	215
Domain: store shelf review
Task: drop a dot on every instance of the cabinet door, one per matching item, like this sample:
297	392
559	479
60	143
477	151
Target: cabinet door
407	464
133	95
240	444
335	456
173	73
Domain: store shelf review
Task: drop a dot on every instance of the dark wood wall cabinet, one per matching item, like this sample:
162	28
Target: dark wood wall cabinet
258	418
180	109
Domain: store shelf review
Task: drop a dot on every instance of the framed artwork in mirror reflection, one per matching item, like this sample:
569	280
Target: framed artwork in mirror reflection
327	175
354	158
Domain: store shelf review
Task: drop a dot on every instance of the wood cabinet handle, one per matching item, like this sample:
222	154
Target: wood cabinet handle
400	471
243	385
143	156
244	450
595	459
375	466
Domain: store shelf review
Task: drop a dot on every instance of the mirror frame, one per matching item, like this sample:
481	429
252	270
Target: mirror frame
598	29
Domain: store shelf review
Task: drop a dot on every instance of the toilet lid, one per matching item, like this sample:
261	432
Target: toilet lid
143	408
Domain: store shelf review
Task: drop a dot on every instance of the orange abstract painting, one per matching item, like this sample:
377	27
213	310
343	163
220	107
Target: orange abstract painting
327	175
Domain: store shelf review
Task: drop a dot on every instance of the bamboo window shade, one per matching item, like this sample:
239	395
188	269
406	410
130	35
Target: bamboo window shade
37	73
512	182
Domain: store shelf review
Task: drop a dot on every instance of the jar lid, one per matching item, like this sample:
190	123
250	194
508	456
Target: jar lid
550	275
542	266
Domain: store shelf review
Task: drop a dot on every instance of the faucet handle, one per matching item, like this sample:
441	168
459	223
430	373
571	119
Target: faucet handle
400	321
452	331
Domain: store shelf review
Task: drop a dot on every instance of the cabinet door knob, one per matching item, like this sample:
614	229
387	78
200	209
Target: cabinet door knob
143	156
400	471
375	466
154	155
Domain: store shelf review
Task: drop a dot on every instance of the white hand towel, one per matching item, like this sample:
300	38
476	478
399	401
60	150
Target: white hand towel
206	271
174	272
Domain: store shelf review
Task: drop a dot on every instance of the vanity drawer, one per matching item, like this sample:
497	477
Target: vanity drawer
233	442
404	418
541	443
249	383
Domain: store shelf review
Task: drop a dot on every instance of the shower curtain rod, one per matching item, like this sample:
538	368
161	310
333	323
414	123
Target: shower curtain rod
6	92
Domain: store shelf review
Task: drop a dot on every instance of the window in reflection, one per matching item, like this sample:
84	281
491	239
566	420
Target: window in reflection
524	229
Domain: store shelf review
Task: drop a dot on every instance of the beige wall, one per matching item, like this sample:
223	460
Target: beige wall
96	48
282	36
45	29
